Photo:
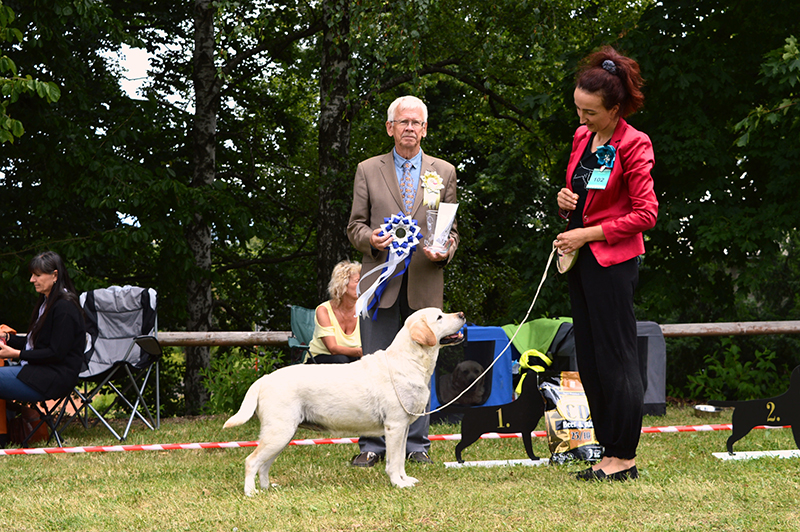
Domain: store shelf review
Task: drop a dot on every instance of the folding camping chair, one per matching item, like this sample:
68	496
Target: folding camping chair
302	333
52	415
125	353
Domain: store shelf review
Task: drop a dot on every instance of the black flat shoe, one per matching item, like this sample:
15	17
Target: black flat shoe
628	474
620	476
586	474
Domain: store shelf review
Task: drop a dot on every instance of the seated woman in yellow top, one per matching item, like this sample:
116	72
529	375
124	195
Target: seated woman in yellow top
337	337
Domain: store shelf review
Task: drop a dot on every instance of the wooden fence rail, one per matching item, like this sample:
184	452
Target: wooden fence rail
281	338
265	338
731	328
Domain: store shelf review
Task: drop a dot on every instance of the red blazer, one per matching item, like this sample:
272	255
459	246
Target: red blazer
628	205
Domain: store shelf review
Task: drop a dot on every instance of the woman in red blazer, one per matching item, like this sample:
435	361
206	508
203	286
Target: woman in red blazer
609	201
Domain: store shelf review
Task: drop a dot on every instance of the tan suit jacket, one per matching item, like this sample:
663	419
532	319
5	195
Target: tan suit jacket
376	195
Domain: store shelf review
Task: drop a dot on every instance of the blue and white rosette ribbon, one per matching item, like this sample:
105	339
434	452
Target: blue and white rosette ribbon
405	237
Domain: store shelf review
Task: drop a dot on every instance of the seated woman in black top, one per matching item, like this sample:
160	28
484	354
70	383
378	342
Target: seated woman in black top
51	356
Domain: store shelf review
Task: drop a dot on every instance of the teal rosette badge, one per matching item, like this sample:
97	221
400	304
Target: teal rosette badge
606	155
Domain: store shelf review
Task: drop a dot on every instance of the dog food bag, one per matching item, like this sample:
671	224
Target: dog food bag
570	431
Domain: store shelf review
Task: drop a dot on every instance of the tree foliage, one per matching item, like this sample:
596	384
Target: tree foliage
15	86
728	211
780	73
73	177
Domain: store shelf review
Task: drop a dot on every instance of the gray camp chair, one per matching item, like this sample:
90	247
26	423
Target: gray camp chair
125	355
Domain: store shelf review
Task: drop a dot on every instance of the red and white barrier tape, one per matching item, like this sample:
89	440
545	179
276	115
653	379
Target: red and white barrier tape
324	441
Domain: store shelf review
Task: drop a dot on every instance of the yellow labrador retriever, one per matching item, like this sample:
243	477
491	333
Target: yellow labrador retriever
377	395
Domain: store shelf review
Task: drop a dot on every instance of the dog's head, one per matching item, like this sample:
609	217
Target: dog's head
465	373
431	327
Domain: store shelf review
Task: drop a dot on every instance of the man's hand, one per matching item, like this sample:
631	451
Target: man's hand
435	256
379	242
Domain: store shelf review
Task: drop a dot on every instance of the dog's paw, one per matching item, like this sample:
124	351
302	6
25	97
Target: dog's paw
252	491
250	487
405	482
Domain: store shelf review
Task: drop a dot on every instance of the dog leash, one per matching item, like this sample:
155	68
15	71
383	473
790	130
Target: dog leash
510	341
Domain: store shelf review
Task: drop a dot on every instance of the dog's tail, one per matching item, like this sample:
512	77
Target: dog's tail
247	409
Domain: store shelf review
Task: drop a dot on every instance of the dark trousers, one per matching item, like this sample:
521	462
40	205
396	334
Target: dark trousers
332	359
606	349
376	335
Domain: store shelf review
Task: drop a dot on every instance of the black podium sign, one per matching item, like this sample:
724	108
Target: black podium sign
521	416
772	412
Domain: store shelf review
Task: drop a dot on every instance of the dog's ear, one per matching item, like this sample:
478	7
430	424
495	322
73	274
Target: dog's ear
422	333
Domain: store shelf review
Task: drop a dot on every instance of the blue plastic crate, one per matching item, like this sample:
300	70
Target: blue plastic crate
484	344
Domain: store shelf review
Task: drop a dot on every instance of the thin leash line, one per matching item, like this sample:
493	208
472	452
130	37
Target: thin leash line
510	341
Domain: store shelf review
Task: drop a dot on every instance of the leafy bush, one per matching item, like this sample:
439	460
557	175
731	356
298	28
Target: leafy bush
727	376
173	366
230	374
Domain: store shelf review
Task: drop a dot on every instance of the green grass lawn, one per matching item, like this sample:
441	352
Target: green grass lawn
682	486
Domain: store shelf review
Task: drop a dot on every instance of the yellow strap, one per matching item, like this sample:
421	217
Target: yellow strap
525	359
525	363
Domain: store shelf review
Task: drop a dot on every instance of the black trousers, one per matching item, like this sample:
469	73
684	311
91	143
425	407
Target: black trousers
606	347
332	359
377	335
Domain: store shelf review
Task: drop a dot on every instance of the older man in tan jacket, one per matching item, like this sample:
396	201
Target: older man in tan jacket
386	185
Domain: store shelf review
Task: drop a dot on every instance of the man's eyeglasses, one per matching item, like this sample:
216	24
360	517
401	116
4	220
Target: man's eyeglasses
416	124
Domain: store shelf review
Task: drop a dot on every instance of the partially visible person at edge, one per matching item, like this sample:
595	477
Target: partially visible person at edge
51	355
607	212
337	335
384	186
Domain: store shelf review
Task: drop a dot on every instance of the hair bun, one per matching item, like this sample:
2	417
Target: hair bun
609	66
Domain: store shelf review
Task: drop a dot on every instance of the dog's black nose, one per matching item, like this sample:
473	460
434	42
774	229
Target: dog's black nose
461	315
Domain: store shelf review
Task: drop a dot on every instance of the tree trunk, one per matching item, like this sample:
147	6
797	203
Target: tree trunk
198	233
334	143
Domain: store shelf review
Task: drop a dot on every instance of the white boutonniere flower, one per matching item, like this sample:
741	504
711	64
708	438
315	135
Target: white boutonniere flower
433	184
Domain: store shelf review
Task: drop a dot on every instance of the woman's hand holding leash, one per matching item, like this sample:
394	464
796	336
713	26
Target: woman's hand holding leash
569	241
573	240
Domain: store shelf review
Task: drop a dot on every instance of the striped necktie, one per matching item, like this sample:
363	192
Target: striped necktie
407	188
